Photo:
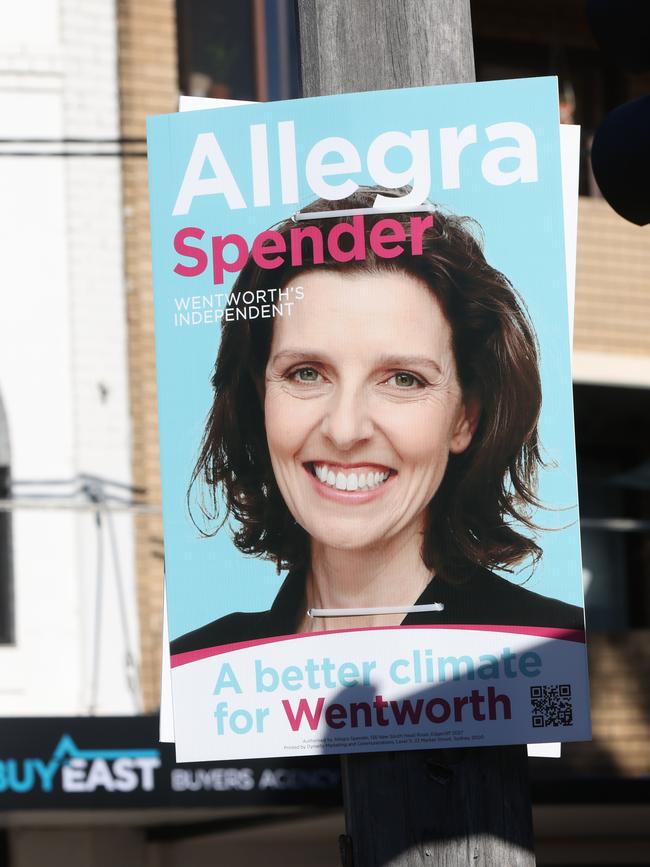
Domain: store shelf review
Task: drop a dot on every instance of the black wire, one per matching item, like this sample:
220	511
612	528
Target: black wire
63	141
120	152
72	153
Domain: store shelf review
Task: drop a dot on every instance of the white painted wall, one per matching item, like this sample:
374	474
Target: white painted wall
63	349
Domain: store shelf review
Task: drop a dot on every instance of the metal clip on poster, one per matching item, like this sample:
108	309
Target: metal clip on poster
361	612
358	212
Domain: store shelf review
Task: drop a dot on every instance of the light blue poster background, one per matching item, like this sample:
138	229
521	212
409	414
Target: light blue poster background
523	231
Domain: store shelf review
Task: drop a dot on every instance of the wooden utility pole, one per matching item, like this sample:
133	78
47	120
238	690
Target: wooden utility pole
449	808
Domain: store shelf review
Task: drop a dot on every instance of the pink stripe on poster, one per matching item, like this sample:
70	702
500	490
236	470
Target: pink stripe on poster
548	632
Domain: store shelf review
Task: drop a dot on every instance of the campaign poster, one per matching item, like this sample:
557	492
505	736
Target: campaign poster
367	451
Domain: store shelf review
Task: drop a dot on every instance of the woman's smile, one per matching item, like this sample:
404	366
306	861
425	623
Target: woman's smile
358	478
351	485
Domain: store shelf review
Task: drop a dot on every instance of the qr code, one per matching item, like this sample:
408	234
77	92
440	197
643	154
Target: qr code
551	705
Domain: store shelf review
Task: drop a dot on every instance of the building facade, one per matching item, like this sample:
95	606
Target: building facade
81	577
69	605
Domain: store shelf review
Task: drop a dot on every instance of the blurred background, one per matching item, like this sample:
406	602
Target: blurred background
80	528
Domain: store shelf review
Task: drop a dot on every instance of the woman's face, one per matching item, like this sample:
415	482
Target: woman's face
362	406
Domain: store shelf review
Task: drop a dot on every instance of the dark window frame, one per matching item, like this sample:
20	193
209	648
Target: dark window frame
271	41
184	28
612	452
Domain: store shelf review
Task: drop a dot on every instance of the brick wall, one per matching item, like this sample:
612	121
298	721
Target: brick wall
613	282
619	673
613	318
148	85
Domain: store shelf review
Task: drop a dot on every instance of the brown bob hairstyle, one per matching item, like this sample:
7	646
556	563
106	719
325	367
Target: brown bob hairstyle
486	490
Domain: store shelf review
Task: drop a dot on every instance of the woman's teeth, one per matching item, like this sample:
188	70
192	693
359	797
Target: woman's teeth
349	481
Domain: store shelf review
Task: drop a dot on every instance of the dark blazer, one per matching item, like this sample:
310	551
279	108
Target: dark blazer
484	599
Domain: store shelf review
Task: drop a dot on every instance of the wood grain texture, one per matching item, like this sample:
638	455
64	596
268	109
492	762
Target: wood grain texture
351	45
449	808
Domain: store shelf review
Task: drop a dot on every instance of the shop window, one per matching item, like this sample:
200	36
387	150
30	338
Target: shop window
515	40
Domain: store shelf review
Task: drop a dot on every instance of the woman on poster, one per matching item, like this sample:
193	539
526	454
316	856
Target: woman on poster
380	442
